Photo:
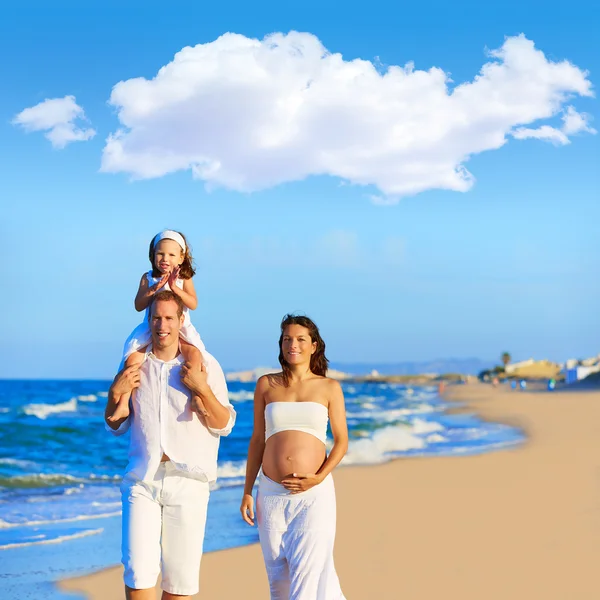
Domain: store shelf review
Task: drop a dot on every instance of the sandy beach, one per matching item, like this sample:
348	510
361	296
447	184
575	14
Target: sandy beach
514	524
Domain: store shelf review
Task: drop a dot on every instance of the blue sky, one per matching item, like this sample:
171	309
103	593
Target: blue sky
389	274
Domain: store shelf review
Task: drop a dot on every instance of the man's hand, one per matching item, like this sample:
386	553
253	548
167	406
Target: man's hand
297	483
194	378
126	381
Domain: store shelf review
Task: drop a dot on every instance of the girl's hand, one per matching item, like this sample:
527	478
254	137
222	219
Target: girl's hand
247	509
160	284
297	483
173	278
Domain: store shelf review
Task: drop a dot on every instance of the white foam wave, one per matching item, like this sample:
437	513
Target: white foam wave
4	409
35	480
103	394
15	462
105	515
42	411
57	540
94	477
393	414
422	426
88	398
241	396
377	448
232	469
435	438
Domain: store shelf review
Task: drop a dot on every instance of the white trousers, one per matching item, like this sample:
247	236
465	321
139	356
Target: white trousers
297	533
163	526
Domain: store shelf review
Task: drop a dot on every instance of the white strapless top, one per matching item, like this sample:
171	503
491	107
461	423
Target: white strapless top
309	417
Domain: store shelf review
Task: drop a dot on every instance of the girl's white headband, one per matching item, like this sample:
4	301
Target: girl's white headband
167	234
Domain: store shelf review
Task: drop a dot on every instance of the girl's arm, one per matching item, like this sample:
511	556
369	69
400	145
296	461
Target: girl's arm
187	294
256	449
146	291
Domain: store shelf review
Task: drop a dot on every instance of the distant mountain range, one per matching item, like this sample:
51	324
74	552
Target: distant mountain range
465	366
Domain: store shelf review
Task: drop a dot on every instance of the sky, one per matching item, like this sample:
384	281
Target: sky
421	180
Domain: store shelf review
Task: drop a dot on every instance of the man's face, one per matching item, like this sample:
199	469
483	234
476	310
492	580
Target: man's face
165	324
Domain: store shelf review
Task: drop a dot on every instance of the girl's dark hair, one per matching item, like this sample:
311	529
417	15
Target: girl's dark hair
186	271
318	361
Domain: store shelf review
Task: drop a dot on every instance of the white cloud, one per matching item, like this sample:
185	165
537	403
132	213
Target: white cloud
248	114
57	117
545	132
573	122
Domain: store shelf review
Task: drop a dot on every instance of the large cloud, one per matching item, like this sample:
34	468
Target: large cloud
57	117
248	114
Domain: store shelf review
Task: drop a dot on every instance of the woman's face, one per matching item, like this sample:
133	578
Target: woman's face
296	345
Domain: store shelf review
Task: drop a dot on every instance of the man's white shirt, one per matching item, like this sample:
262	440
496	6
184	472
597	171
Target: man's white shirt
162	421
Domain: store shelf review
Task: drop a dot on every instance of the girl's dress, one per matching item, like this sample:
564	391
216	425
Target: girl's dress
141	336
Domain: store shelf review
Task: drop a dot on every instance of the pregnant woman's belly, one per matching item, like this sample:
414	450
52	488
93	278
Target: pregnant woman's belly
290	452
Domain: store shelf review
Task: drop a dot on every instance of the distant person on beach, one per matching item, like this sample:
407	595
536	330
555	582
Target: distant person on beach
172	456
295	505
172	269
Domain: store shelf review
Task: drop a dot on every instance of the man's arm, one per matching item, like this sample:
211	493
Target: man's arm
214	396
125	382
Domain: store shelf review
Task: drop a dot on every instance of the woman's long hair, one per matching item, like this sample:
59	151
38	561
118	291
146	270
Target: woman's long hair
318	361
186	271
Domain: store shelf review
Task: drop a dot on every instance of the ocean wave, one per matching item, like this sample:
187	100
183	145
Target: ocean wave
241	396
42	480
56	540
4	409
381	446
391	414
94	477
39	480
103	394
422	426
230	469
87	398
42	411
15	462
37	523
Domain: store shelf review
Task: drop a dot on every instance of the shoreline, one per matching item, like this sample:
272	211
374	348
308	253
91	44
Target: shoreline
519	523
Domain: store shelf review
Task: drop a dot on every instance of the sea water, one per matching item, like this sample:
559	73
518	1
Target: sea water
60	510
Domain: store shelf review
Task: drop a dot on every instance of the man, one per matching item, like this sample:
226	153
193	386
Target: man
172	458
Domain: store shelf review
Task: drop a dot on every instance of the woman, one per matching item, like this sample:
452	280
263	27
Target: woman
296	496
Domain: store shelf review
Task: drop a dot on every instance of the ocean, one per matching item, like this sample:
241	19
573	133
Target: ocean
60	470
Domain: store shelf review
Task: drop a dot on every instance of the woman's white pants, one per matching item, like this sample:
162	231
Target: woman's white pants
297	533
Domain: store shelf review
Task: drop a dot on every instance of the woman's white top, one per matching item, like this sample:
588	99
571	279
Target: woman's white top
141	337
309	417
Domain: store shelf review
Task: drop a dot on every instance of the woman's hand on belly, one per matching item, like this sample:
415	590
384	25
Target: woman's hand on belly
297	482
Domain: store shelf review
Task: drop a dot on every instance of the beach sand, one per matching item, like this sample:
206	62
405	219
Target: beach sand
509	525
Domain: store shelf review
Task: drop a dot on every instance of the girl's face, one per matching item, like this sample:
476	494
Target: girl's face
296	345
167	255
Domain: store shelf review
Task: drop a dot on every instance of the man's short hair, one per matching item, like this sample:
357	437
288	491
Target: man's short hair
168	296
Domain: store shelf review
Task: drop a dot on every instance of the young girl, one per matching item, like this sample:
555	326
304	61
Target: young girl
172	269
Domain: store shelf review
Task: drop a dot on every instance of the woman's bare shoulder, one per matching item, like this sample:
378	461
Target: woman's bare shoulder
270	380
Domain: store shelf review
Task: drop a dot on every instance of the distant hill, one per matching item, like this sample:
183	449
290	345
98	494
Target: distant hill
465	366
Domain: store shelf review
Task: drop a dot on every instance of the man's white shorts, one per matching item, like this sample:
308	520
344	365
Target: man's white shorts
163	522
